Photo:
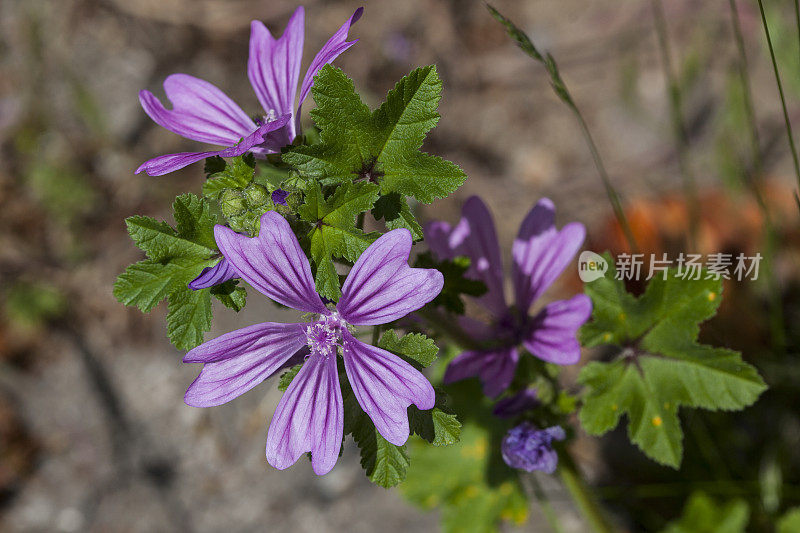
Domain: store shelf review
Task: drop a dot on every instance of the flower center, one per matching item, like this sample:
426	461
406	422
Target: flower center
509	329
323	335
260	120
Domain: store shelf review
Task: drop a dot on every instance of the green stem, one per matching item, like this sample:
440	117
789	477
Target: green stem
744	75
582	495
563	94
676	117
613	196
752	180
780	92
797	18
550	515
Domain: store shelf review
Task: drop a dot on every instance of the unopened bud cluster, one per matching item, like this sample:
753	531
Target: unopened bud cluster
243	207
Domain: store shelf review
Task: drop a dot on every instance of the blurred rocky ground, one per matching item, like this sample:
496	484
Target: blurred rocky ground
95	436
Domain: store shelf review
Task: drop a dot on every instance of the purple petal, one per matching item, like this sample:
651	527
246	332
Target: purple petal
238	361
484	251
494	368
274	66
381	287
273	263
478	330
437	237
516	404
330	50
158	166
385	386
446	241
164	164
210	276
200	111
541	253
309	418
553	332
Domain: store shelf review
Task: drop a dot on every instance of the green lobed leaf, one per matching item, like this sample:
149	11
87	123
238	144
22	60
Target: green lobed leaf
662	367
703	515
413	346
384	463
380	147
334	233
394	210
147	282
436	425
188	317
230	294
194	220
175	257
236	173
160	241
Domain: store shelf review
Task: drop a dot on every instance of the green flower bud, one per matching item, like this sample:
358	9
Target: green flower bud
253	223
294	180
257	195
237	223
232	202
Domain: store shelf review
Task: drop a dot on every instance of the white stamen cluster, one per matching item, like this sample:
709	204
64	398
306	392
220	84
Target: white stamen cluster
323	338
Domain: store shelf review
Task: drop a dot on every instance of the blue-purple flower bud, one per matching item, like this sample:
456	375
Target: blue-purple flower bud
529	448
279	197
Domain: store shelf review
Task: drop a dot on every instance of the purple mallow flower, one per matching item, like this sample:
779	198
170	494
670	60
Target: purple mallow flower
539	255
222	271
202	112
528	448
380	288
